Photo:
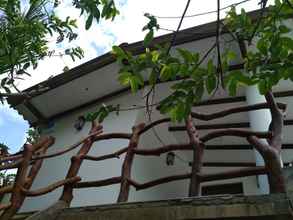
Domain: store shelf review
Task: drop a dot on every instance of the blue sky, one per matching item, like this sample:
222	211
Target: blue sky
99	39
12	128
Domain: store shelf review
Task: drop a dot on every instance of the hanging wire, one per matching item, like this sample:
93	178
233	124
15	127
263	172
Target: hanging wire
219	65
181	159
203	13
152	90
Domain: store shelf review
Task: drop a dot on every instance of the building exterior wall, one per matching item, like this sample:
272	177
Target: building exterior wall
144	168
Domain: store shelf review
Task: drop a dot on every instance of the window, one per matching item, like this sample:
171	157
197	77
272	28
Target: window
232	188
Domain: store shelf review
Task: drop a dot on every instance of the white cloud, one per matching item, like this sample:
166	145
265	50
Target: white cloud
126	28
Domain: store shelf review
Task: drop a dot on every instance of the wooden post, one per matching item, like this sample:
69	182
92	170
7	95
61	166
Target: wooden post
127	164
76	161
24	179
198	150
271	151
16	196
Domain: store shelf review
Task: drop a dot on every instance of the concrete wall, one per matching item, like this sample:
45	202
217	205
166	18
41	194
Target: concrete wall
145	168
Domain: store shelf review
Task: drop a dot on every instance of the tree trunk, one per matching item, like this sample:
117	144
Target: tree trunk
275	172
127	164
271	151
76	161
198	150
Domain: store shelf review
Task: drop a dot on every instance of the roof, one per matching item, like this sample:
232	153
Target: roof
33	110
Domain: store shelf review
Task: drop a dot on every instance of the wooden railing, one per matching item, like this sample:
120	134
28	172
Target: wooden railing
29	161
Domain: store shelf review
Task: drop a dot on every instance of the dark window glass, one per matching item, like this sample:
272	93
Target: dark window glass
231	188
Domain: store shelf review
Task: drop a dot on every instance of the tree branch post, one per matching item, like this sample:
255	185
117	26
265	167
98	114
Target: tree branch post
24	179
271	151
127	164
198	150
272	157
76	161
17	194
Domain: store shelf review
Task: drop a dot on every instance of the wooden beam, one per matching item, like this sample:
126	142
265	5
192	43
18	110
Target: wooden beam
241	147
244	172
287	122
234	99
212	126
229	164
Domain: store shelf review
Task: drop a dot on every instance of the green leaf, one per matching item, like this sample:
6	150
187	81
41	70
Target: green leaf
284	29
211	83
124	78
153	77
262	46
118	51
262	87
187	55
89	21
210	67
232	87
195	58
134	84
140	79
165	73
148	38
183	70
199	91
231	55
26	65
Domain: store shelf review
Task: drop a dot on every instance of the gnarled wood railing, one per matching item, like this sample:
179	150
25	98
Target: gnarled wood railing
29	161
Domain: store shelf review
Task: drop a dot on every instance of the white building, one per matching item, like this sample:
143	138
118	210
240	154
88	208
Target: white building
84	88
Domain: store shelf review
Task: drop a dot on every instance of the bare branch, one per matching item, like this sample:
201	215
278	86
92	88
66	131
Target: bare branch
277	122
67	194
107	156
160	150
112	136
5	206
51	187
234	132
105	182
261	147
233	174
127	164
154	123
153	183
220	114
6	189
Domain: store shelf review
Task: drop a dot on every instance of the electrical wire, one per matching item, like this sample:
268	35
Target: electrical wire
152	90
181	159
203	13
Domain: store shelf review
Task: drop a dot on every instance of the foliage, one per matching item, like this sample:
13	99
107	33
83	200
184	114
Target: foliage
91	7
264	66
6	179
3	149
32	136
272	59
24	32
102	113
151	26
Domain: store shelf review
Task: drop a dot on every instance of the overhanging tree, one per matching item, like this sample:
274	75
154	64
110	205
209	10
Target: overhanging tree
265	65
26	28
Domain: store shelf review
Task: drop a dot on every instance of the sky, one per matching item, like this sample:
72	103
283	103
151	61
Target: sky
127	27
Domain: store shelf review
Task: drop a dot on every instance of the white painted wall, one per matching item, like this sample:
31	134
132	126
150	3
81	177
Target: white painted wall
144	168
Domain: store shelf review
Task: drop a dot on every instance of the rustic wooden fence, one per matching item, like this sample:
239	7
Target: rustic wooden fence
29	161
